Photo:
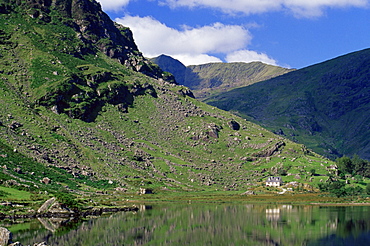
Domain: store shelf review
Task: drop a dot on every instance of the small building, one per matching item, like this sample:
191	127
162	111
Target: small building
274	181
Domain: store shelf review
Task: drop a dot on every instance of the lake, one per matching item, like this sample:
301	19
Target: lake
206	224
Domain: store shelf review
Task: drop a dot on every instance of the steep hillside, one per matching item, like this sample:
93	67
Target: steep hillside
208	79
173	66
325	106
78	115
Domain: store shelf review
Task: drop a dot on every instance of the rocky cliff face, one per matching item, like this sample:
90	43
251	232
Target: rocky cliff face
57	36
93	27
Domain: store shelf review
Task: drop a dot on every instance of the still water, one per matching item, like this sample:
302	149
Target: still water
207	224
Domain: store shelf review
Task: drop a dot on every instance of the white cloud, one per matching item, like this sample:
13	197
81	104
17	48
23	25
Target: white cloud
114	5
249	56
191	59
190	45
300	8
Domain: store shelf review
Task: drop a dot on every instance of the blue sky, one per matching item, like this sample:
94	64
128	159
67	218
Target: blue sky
289	33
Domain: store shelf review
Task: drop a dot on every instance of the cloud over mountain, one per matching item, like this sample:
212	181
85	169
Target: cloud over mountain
191	45
249	56
113	5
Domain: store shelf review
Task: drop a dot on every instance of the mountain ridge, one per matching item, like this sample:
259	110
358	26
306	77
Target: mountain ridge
207	79
328	100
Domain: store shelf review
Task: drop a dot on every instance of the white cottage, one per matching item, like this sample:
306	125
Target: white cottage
274	181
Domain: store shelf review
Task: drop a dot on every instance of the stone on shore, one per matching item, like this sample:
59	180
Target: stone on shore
5	236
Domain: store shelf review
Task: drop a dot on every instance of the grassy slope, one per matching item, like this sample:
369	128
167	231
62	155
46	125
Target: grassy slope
324	106
214	78
161	141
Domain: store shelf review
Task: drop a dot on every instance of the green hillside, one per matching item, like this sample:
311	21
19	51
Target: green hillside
84	113
213	78
324	106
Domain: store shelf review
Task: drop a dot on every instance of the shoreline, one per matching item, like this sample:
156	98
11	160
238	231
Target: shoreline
73	214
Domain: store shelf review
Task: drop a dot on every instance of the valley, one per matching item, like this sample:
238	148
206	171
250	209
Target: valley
88	119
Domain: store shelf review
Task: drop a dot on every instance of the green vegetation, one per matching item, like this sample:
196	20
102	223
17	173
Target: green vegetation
355	166
80	123
353	171
323	106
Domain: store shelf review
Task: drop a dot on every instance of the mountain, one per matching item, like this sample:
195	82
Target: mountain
173	66
84	112
325	106
212	78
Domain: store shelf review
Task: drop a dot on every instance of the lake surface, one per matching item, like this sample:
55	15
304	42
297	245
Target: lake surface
207	224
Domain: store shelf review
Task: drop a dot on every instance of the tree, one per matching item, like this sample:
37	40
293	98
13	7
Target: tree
313	172
368	189
345	164
354	191
334	187
337	188
359	165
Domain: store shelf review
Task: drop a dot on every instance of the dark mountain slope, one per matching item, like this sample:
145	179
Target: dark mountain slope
173	66
76	110
325	106
208	79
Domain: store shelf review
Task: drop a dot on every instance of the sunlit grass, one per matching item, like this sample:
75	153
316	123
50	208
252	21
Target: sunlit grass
16	194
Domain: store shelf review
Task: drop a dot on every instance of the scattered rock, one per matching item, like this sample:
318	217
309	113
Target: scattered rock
15	244
40	244
18	170
249	192
121	189
213	133
144	191
14	125
45	180
234	125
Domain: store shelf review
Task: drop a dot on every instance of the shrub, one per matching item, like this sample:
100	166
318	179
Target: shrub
368	189
67	199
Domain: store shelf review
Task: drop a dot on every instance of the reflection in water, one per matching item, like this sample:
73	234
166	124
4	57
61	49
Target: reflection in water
210	224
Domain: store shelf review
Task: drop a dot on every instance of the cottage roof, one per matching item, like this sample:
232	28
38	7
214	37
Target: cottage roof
274	179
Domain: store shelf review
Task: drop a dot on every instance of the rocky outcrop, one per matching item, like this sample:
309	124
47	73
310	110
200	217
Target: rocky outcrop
6	239
53	207
270	151
94	28
5	236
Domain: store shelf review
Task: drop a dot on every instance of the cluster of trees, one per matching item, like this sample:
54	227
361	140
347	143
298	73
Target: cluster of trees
355	167
339	189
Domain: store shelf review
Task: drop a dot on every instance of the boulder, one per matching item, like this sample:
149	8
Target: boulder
234	125
213	133
45	180
5	236
15	244
144	191
45	207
